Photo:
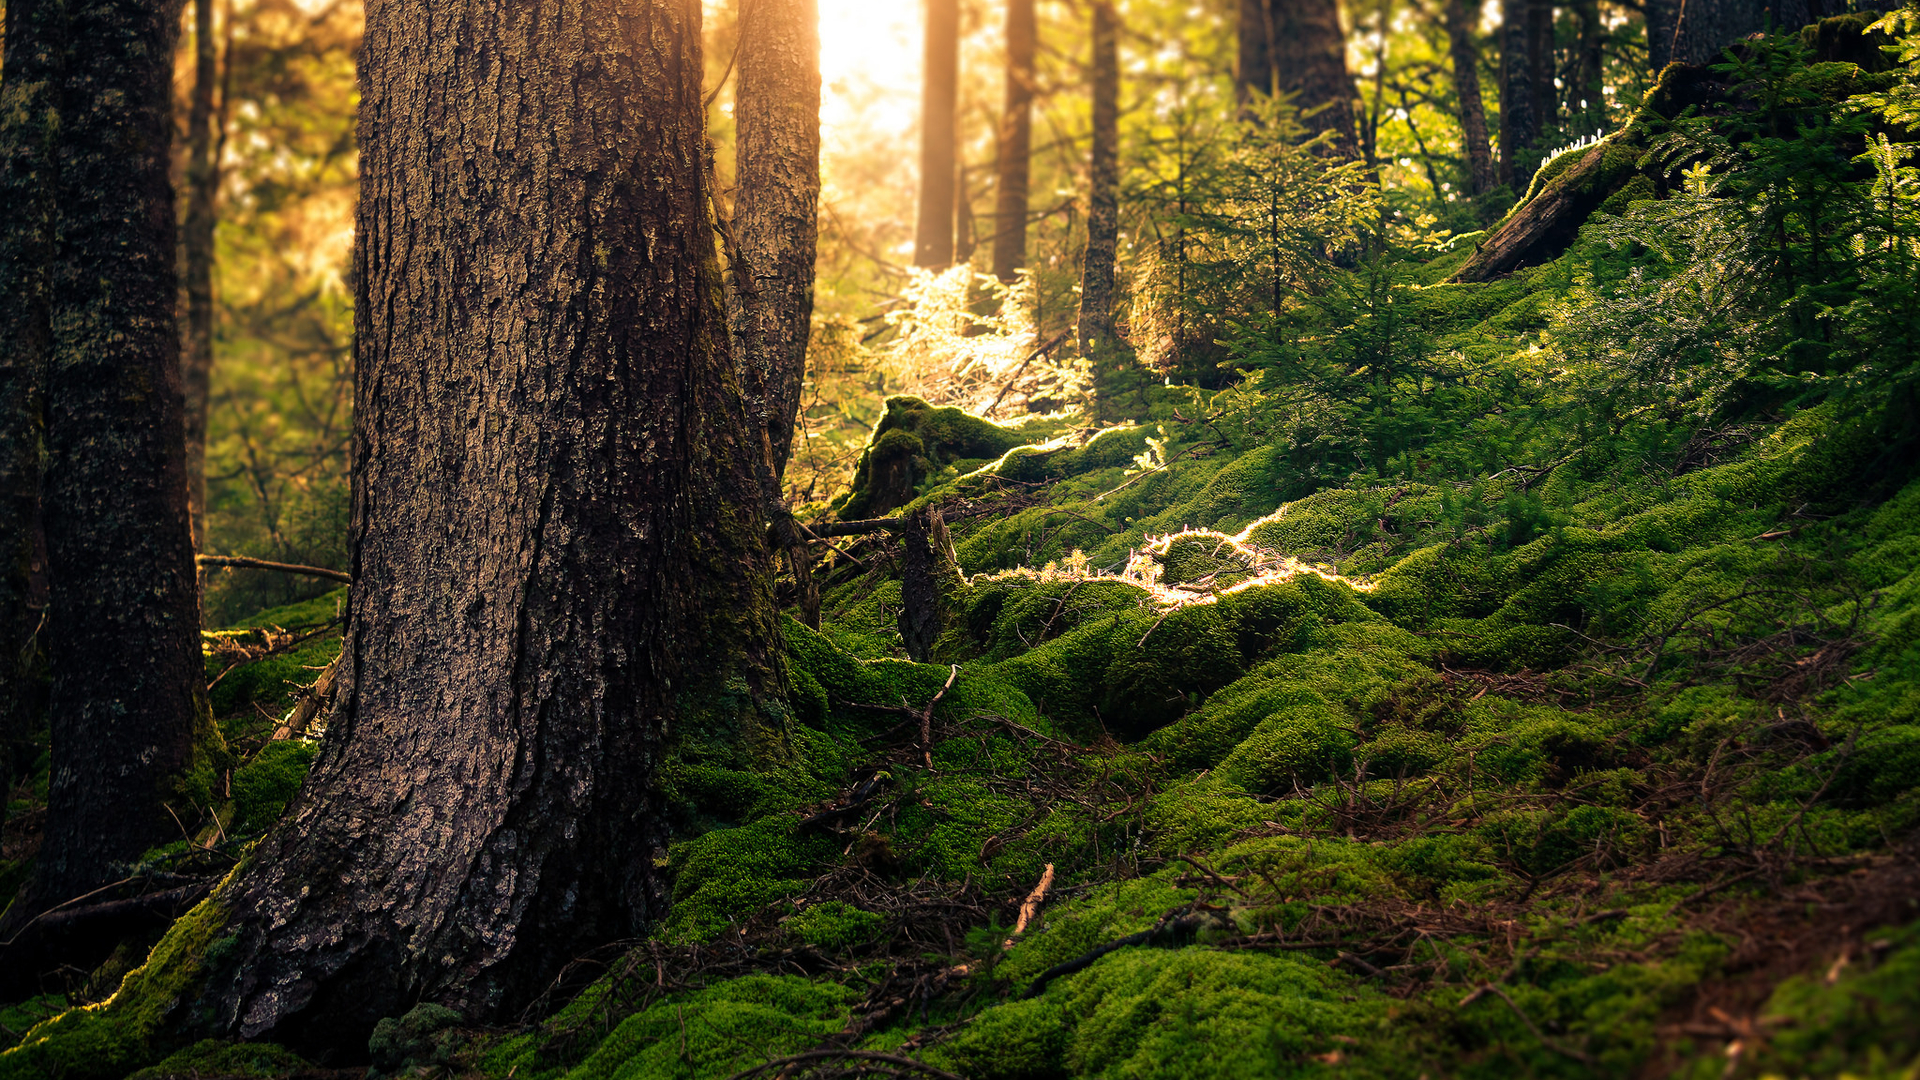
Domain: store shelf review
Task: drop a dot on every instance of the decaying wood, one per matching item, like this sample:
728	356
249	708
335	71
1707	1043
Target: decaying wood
1541	229
312	700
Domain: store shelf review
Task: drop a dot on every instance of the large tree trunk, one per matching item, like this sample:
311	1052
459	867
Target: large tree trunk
1518	130
1254	72
122	633
203	184
1015	145
1310	61
1695	31
1586	93
558	536
775	213
1095	330
1466	90
939	115
1540	65
27	74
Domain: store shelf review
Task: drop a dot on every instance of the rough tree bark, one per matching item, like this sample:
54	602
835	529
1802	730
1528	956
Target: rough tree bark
122	633
1586	92
558	533
1466	90
203	184
1518	129
27	73
1695	31
939	116
775	212
1095	329
1015	145
1309	53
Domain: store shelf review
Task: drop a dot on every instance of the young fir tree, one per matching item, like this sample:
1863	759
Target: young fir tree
558	536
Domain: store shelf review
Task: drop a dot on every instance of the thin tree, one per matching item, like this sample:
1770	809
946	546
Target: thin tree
1095	328
939	132
776	207
1518	130
1465	53
1253	73
1586	91
1540	63
203	185
122	621
27	75
1015	161
558	536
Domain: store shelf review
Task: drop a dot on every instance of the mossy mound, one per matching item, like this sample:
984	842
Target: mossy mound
912	442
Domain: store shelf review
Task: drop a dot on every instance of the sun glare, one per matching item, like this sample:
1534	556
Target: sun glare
869	67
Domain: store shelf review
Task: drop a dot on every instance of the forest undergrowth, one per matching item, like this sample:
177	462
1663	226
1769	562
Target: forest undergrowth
1500	679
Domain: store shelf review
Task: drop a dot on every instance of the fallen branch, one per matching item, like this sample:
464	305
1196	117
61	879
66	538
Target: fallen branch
855	528
844	1055
1032	905
241	562
926	718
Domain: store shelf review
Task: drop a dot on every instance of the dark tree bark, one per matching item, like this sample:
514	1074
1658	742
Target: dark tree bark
939	133
1466	90
1254	73
1095	330
775	213
27	75
1310	61
559	537
122	635
1695	31
1586	92
203	184
1518	129
1015	145
1540	64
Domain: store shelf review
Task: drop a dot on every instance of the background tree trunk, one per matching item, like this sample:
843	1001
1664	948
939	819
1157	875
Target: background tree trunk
27	75
1310	61
1702	28
1518	130
203	185
123	624
1015	144
1540	65
1103	193
1586	97
1254	73
558	535
1466	89
939	114
776	211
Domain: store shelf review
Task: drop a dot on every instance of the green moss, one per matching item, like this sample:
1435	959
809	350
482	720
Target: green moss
137	1025
228	1061
263	787
833	925
424	1037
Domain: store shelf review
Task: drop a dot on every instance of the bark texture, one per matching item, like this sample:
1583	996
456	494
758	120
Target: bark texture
1695	31
1586	98
123	623
27	74
939	115
1310	62
1015	145
776	208
1518	128
558	533
1466	90
203	184
1095	329
1540	63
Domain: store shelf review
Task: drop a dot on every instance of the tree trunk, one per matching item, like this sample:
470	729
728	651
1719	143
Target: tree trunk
558	533
1103	195
1466	90
1015	144
123	640
1586	93
1310	62
939	116
775	213
1540	64
1254	73
1518	130
203	185
1702	28
27	74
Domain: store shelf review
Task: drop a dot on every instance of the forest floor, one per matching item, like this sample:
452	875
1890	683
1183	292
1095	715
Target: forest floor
1601	767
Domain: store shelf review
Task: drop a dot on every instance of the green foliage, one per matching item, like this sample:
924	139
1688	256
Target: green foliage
424	1037
263	787
229	1061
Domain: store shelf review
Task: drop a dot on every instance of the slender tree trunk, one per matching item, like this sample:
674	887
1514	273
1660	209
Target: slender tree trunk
939	117
203	185
27	76
1103	194
1254	73
1466	90
558	535
1310	62
1015	144
1517	128
1660	16
123	623
776	210
1540	64
1586	93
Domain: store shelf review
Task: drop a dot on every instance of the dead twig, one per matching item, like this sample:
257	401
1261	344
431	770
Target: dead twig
241	562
